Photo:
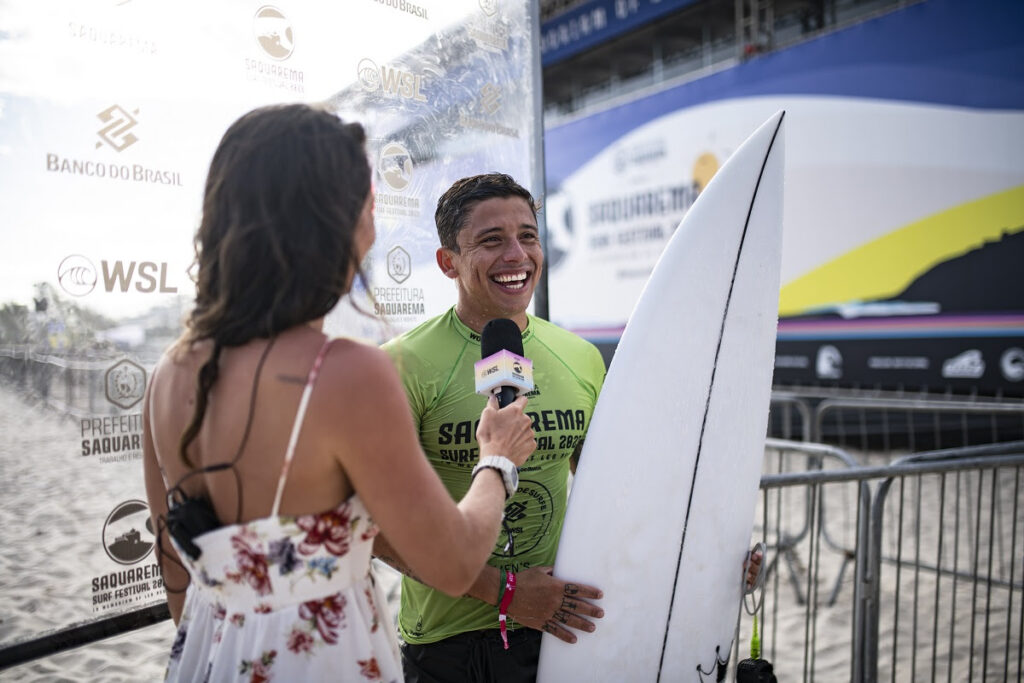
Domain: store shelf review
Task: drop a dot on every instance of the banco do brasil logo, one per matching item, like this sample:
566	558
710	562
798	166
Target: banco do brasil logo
117	131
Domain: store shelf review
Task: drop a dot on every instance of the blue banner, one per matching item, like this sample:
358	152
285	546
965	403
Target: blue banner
597	21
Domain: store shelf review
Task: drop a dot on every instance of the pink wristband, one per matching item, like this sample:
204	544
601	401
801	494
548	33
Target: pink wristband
506	600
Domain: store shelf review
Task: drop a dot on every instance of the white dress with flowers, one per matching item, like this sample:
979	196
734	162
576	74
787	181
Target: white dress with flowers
286	599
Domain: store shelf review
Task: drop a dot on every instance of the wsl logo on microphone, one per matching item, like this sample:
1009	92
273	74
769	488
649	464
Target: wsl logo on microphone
503	368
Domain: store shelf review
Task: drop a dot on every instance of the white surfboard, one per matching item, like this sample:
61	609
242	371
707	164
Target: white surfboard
662	505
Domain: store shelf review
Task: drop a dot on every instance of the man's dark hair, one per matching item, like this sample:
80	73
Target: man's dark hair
455	205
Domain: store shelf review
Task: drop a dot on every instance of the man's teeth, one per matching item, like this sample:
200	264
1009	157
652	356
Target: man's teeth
513	280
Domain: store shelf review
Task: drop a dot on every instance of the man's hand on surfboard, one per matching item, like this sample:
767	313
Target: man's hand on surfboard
547	603
752	565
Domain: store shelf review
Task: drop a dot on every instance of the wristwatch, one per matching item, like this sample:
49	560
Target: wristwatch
507	468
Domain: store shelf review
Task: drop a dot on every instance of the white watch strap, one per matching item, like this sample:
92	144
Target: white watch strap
503	465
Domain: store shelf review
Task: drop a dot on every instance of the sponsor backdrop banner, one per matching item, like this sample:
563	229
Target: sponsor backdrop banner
904	207
109	113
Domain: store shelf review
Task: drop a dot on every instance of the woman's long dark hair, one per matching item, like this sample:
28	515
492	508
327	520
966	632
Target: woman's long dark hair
276	245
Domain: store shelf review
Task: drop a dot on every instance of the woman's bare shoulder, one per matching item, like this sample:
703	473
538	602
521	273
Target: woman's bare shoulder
358	360
177	369
358	371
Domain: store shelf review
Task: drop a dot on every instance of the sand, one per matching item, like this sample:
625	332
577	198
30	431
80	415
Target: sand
53	502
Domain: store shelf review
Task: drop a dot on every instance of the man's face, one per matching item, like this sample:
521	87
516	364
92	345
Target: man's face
498	263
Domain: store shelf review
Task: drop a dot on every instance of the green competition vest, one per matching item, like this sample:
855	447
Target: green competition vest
435	361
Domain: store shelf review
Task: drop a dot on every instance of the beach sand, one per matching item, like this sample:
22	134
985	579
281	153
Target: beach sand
53	503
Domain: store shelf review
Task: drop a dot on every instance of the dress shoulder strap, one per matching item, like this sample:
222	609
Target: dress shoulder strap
314	372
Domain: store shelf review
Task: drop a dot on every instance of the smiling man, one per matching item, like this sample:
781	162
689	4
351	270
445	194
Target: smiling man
490	247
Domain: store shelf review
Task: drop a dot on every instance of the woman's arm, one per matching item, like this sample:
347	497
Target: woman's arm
445	544
174	574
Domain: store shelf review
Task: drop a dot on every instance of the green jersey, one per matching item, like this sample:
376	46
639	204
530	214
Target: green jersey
435	361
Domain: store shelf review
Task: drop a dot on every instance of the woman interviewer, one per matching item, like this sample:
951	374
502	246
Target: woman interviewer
273	454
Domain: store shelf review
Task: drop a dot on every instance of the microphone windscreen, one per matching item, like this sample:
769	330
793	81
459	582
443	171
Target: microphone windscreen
500	334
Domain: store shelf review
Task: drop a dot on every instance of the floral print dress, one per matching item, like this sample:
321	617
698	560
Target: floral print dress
286	598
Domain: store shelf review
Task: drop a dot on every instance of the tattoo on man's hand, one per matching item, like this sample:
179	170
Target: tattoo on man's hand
561	616
569	604
571	589
550	628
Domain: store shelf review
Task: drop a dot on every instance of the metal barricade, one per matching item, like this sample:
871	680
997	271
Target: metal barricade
954	570
888	424
789	617
937	595
879	427
790	417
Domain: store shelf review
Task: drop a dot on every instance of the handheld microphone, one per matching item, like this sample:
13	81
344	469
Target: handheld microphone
502	369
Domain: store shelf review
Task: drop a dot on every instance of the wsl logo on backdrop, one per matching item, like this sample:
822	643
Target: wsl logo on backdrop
117	131
276	39
77	276
389	80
